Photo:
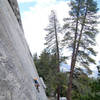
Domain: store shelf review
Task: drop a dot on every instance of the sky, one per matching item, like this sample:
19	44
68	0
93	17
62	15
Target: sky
34	15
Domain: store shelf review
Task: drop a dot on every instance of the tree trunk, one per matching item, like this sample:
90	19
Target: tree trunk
70	80
74	57
58	93
68	96
57	57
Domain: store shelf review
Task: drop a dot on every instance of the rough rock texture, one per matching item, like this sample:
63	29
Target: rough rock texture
15	8
17	69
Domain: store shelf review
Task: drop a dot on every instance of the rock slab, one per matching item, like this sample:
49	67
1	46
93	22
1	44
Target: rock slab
17	68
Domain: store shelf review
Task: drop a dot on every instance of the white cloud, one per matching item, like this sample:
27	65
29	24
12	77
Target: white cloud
36	19
97	47
25	1
45	1
37	1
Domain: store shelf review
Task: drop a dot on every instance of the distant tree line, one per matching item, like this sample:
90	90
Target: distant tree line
83	87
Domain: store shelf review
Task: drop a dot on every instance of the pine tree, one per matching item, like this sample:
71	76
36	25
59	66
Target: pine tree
80	31
52	40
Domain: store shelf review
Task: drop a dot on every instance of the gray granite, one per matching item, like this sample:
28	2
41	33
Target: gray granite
15	8
17	68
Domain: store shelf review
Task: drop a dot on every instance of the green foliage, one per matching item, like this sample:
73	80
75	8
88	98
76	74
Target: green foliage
84	87
46	67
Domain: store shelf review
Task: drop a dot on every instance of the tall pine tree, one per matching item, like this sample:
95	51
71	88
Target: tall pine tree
80	31
52	41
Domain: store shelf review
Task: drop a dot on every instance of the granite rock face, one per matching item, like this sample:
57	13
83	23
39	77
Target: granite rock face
15	8
17	68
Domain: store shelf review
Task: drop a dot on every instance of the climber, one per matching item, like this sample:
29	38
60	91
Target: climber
36	84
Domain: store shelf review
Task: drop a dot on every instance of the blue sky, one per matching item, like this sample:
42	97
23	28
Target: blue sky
98	1
25	6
